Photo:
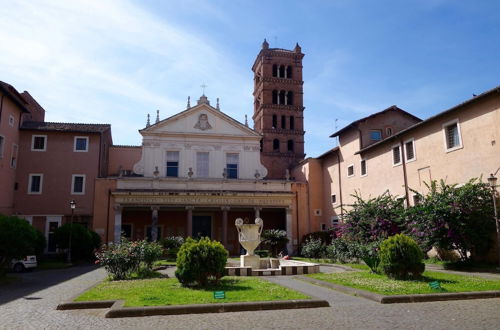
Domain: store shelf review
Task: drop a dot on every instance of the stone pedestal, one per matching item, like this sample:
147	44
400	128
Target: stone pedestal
250	261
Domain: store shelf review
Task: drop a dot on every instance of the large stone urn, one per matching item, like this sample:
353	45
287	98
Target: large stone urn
249	238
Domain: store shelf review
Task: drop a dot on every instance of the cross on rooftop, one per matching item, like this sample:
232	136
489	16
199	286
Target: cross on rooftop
203	86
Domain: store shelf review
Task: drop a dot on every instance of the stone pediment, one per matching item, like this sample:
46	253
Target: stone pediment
201	119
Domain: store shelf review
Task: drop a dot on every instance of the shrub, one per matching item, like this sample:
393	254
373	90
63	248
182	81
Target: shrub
172	245
149	253
342	250
324	236
172	242
400	258
120	259
313	248
201	262
369	253
262	253
17	240
274	240
83	242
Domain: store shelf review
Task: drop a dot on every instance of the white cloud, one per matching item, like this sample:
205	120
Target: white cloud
97	61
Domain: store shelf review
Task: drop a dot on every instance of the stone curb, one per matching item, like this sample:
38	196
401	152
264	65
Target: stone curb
117	309
471	270
85	304
410	298
346	268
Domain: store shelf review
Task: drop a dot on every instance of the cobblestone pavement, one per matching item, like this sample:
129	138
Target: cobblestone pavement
31	303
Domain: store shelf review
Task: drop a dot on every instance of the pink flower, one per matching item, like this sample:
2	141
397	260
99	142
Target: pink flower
97	261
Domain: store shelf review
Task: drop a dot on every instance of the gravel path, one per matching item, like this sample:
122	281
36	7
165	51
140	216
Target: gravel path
31	303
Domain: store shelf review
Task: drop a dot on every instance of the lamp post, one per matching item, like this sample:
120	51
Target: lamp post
493	184
72	204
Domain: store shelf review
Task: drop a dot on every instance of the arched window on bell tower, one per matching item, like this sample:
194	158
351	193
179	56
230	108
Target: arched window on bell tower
283	122
289	72
289	98
275	70
275	121
282	71
281	98
276	145
290	145
275	97
292	122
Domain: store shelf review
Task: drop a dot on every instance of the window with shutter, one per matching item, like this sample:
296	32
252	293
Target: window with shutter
350	170
410	150
453	139
396	155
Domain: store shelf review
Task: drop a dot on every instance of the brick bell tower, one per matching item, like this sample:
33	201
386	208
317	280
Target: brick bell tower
278	108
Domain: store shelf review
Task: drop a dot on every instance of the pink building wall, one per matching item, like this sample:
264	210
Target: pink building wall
10	136
57	164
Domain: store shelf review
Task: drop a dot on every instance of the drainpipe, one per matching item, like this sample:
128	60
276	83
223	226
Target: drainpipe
403	161
340	186
308	206
107	217
297	216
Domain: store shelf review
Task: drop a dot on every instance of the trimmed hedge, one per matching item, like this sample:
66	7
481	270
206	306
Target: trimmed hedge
401	258
201	262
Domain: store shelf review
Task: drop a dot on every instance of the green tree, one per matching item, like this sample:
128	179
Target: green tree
275	240
83	242
17	240
454	217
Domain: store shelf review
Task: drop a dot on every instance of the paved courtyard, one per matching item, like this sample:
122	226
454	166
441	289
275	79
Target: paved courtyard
31	302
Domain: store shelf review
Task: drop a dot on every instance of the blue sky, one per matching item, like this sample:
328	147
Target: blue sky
115	61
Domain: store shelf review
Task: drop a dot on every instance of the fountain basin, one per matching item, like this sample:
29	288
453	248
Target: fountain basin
272	267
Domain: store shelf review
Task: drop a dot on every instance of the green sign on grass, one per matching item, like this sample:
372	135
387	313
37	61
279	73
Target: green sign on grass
435	285
219	294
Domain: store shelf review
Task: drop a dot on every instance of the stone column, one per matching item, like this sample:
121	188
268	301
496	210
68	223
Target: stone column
154	223
189	221
225	209
289	224
118	223
257	211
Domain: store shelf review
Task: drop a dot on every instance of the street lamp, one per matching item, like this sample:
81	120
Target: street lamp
493	184
72	204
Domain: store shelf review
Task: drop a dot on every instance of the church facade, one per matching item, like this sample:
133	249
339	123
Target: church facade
198	171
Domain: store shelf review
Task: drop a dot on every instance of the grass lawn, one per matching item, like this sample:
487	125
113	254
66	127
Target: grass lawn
156	292
165	262
368	281
313	260
51	264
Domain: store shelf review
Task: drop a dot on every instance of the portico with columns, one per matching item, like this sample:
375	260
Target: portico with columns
157	214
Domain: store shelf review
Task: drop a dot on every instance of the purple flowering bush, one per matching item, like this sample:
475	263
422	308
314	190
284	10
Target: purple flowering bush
453	217
374	220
